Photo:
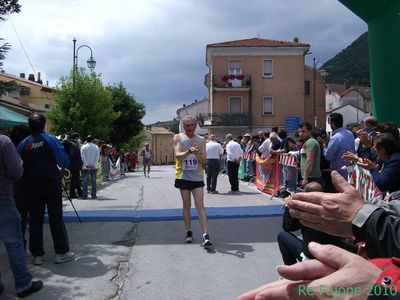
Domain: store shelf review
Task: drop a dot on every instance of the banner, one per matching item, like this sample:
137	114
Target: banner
267	174
362	180
241	171
287	170
115	169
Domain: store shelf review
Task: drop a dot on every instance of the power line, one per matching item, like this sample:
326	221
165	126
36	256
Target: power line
27	57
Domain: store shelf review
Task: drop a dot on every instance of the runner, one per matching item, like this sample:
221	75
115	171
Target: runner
147	155
190	154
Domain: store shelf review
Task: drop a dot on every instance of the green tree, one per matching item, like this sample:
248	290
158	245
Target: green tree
7	7
82	104
136	142
130	113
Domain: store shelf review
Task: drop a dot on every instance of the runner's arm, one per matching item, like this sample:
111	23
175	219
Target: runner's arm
179	155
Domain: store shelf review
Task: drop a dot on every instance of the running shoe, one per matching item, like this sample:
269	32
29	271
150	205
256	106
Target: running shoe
206	240
189	237
62	258
38	260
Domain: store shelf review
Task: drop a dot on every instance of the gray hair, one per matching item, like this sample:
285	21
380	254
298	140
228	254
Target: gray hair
189	118
229	137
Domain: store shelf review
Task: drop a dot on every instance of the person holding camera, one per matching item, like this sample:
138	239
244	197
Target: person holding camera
43	155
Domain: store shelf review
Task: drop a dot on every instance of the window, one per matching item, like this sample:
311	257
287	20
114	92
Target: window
307	88
235	67
267	68
268	106
47	106
235	105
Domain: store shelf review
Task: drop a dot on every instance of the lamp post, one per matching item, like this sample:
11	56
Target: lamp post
323	74
91	63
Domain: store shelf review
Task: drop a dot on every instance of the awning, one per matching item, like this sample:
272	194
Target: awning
10	118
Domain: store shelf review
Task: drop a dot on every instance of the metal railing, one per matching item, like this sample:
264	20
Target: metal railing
228	81
225	119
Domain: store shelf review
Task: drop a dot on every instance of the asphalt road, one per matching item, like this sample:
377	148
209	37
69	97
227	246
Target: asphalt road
146	258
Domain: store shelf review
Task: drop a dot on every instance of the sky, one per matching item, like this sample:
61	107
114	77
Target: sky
157	48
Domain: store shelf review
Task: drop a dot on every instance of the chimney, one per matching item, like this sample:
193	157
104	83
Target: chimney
295	39
22	75
39	80
346	84
31	77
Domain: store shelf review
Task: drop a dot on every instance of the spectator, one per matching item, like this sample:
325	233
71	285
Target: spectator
344	214
275	141
261	137
18	134
234	155
90	158
366	136
265	146
105	164
346	275
213	152
309	155
72	147
42	155
294	249
386	171
342	140
10	226
320	135
133	160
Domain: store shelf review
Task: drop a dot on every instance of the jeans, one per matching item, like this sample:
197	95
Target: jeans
290	246
93	174
10	233
212	174
233	169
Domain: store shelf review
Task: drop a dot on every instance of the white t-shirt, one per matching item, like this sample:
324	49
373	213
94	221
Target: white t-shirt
213	150
265	148
233	151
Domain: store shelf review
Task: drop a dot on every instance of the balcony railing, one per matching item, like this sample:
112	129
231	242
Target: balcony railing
223	81
225	119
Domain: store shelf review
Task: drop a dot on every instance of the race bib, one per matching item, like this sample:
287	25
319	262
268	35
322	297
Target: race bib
190	163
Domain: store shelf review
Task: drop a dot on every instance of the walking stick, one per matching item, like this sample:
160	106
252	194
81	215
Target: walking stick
66	174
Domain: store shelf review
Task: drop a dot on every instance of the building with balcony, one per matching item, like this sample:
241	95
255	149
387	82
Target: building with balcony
255	84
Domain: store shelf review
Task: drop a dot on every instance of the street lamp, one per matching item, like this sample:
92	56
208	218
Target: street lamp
323	74
91	63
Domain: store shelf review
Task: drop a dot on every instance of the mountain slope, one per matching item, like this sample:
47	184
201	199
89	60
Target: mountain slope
351	63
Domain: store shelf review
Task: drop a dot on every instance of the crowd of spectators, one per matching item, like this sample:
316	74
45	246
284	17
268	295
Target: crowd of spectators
341	234
331	214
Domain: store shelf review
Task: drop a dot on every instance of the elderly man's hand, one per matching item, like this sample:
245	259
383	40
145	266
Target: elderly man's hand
317	279
328	212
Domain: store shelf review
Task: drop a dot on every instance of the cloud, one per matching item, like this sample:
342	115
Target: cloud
156	47
162	112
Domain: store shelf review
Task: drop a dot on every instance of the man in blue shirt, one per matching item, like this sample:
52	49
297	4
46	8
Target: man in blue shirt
342	140
43	156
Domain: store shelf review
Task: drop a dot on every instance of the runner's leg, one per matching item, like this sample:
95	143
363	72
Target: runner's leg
186	208
198	195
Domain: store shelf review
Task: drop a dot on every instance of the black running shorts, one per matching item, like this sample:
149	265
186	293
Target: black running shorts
188	185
